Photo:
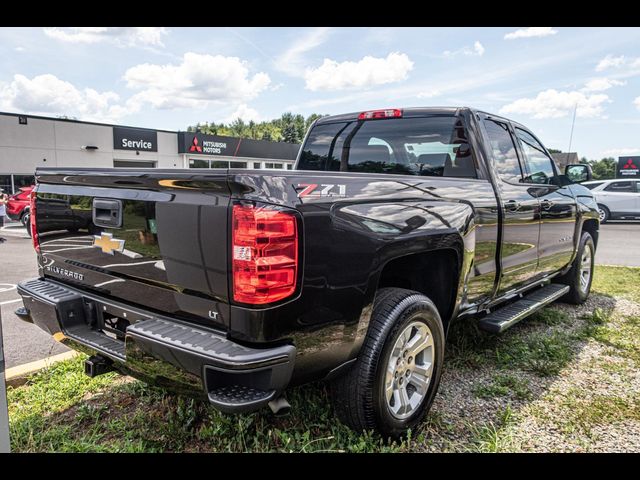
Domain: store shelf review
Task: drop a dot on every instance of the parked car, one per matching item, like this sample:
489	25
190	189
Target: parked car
618	199
18	205
233	285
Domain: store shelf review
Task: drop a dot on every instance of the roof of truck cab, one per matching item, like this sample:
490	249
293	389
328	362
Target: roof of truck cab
406	112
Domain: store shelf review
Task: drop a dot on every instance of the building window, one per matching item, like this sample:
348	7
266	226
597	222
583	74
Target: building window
256	165
23	181
289	166
5	184
11	184
133	164
238	164
197	163
272	165
219	164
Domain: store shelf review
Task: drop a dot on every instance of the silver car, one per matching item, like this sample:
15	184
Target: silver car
617	198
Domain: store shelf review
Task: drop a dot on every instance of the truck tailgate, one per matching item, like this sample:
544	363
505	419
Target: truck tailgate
154	239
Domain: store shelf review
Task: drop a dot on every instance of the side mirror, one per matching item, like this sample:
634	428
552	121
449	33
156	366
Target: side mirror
578	172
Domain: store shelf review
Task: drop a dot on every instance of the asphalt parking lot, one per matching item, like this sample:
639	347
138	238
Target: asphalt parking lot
619	245
23	342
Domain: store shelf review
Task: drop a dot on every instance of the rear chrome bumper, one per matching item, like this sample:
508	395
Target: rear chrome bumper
186	358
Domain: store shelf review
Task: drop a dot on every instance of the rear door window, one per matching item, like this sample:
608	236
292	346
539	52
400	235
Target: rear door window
621	187
504	152
425	146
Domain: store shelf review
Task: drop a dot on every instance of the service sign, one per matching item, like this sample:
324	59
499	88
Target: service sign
135	139
628	167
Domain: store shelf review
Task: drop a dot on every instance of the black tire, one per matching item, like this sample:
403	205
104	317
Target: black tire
358	395
605	214
26	221
577	293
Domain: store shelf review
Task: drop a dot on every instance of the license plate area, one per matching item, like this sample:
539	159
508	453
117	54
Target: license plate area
109	319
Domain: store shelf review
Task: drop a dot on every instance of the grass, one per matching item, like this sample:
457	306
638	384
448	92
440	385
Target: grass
492	438
622	282
540	352
584	410
503	386
62	410
135	417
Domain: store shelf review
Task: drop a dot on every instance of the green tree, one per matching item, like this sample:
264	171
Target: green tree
288	128
604	168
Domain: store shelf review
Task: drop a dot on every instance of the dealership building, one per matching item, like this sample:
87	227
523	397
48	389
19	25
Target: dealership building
28	142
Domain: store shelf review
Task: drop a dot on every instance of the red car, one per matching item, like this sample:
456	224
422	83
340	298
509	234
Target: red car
18	205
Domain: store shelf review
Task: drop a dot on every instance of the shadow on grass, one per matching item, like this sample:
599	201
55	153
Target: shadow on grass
133	416
534	351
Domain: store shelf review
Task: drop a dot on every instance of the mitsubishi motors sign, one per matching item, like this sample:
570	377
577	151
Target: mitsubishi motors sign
199	143
628	167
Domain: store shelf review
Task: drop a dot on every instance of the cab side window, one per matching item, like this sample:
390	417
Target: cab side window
538	165
504	152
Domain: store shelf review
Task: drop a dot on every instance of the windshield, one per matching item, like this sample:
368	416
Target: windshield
426	146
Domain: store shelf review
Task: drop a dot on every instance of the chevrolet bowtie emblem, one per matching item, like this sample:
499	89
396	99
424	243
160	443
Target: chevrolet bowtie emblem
107	243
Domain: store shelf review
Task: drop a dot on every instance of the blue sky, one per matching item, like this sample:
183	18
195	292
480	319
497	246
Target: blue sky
169	78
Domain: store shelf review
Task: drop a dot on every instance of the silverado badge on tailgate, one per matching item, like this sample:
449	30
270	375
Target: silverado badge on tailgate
107	243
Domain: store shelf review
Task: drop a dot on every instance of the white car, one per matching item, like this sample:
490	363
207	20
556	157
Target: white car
617	198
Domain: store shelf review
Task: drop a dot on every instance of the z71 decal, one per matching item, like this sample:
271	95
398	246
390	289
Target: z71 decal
315	190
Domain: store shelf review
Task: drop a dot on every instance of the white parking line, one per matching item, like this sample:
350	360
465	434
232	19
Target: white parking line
11	286
11	301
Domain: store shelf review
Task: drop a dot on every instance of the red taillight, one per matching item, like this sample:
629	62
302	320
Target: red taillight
32	221
264	254
374	114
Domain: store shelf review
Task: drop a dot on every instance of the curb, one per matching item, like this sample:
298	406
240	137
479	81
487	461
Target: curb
16	376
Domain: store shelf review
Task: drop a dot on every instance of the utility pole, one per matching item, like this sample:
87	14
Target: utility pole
5	446
573	122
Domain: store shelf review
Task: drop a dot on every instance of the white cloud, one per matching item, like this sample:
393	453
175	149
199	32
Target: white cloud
477	49
146	36
367	72
19	49
601	84
429	93
610	61
614	152
636	102
530	32
48	95
292	61
197	82
554	104
243	112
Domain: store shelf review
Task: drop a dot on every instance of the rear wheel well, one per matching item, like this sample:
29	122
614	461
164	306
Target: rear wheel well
591	226
434	274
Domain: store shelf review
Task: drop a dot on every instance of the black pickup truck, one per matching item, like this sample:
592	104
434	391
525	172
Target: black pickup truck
235	284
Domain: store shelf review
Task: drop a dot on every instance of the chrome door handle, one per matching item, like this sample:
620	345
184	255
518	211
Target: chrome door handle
546	204
512	205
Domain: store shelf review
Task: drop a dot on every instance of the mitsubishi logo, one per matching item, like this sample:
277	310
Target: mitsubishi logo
107	243
194	146
630	164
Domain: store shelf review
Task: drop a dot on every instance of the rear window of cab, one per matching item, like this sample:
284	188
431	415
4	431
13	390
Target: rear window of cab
425	146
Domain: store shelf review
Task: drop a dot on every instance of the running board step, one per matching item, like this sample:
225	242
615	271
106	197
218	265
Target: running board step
239	398
508	316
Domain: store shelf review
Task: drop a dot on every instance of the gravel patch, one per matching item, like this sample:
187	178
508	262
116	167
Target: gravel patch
592	405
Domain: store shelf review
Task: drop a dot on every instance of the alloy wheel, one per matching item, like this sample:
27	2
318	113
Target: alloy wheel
409	370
